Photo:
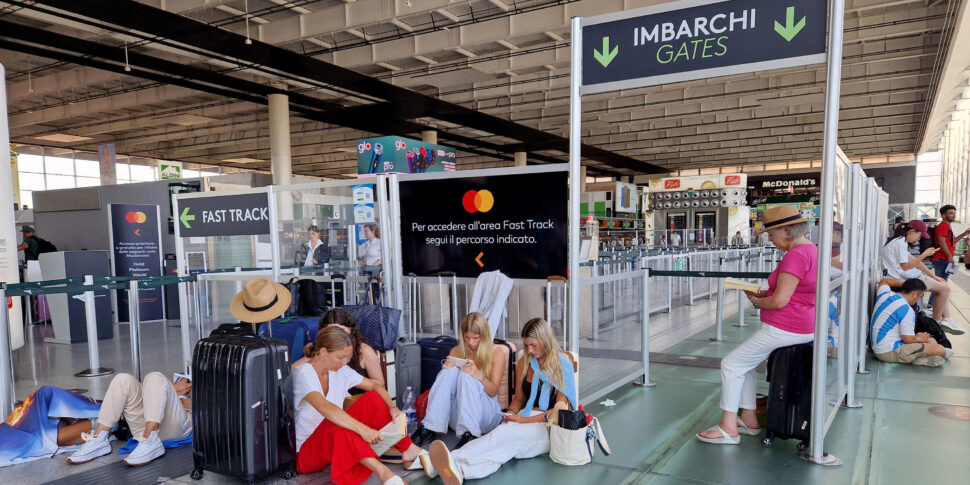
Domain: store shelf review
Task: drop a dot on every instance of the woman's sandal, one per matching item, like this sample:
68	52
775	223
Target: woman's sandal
725	438
744	429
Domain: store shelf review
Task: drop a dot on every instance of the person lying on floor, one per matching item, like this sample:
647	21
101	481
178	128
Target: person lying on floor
364	360
545	376
328	436
156	410
892	329
464	395
48	419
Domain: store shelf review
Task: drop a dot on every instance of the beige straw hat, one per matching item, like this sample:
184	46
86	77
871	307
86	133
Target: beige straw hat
260	301
782	215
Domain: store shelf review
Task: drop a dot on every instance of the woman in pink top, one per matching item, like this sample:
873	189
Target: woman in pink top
788	314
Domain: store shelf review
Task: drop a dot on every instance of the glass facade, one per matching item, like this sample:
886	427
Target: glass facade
45	168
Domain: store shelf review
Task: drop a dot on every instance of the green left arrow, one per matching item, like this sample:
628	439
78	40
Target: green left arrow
607	56
186	217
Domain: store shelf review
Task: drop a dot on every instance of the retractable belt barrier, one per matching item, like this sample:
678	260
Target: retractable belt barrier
87	286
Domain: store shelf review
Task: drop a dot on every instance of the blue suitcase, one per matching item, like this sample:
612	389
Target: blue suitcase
433	352
294	332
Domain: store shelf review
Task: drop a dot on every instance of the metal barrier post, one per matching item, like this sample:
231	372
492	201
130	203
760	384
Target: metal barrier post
645	331
741	296
710	267
690	281
6	358
441	307
670	285
455	321
91	316
134	321
594	304
719	312
199	312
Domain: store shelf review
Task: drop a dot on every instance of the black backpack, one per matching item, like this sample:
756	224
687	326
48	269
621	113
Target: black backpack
45	246
930	326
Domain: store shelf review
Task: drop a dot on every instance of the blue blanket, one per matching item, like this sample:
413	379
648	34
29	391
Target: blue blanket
30	432
131	444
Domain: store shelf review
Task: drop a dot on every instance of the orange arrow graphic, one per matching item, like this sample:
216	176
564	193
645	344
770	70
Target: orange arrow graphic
478	259
138	232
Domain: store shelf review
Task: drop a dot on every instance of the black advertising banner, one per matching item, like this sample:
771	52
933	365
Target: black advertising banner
513	223
224	215
136	249
694	39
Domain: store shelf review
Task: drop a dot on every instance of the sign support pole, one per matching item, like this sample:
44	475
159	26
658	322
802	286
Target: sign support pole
830	140
575	135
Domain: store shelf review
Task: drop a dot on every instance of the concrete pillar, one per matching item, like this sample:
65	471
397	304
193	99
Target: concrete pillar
279	139
520	159
429	136
582	176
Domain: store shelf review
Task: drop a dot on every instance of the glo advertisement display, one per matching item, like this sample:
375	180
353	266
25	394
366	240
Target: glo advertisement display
516	224
395	154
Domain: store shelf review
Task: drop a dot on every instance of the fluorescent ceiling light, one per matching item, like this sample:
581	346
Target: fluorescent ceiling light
63	138
243	160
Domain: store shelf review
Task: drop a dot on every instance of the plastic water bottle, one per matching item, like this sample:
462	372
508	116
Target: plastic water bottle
409	412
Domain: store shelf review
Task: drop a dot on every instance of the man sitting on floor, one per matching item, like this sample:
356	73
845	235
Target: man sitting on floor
893	322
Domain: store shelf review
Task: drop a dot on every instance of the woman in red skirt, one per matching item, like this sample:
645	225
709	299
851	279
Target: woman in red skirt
328	436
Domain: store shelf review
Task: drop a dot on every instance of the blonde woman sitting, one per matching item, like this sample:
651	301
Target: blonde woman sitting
464	395
545	377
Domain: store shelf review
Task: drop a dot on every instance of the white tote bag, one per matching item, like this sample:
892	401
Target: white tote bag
576	446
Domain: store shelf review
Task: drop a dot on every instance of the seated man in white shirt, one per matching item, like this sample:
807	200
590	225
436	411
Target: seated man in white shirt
893	322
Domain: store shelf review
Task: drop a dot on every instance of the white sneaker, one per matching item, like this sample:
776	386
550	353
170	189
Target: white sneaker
147	450
429	470
949	326
447	469
93	447
949	353
930	361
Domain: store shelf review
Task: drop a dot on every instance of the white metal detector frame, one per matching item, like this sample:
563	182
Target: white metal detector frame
814	452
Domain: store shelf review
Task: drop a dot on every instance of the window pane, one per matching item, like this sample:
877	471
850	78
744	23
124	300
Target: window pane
60	182
26	199
88	181
30	163
208	174
32	181
927	196
59	165
142	173
195	173
88	168
928	183
122	171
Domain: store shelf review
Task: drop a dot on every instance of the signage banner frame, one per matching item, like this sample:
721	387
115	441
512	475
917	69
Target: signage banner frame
817	56
212	213
453	258
151	300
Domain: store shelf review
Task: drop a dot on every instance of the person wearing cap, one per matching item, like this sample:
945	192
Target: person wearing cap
787	316
901	265
31	244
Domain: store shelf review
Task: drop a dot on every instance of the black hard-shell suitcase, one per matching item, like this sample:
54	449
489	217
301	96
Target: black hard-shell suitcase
242	415
433	351
789	393
408	368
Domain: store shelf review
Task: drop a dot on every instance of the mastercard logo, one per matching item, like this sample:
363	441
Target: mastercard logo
136	217
478	201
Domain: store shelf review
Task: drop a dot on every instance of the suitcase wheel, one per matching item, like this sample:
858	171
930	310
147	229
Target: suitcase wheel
766	441
196	474
290	472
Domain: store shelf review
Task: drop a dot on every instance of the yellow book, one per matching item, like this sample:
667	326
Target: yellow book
734	284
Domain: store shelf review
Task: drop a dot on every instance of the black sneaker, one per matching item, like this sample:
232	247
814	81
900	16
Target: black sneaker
465	438
422	435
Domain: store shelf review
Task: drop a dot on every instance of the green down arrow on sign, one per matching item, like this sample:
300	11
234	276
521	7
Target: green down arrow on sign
790	29
607	56
186	217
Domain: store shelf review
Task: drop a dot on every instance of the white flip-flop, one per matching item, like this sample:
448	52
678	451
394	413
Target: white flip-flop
725	438
744	429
